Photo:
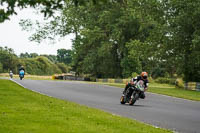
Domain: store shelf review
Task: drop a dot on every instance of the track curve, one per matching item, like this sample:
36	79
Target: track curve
166	112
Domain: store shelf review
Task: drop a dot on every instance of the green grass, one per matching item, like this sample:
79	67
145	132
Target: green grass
166	89
33	77
171	90
24	111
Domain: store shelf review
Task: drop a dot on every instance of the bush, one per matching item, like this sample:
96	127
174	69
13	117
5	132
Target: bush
62	67
158	72
56	69
179	83
93	79
134	74
40	66
166	81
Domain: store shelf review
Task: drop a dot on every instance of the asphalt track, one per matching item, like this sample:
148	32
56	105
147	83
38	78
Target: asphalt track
179	115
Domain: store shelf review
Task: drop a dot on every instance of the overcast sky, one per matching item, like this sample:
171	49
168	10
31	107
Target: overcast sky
13	37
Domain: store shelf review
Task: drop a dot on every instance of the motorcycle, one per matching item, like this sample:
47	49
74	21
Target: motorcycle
133	93
21	74
11	74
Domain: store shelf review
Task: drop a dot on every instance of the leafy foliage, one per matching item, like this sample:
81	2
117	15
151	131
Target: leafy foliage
27	55
117	38
184	31
47	7
64	56
63	67
8	60
40	66
33	63
166	81
1	68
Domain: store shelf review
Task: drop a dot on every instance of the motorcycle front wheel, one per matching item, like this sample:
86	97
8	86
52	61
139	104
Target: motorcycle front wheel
134	99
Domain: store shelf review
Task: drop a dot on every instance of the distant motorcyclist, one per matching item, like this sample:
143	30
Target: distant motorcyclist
11	74
143	76
21	72
21	68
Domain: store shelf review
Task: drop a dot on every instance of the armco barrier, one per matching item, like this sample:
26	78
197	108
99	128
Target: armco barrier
126	80
104	80
188	86
118	80
70	77
98	80
192	86
113	80
67	77
198	86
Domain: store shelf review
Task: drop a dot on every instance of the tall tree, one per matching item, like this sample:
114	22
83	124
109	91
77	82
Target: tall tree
184	32
8	59
102	32
64	56
116	38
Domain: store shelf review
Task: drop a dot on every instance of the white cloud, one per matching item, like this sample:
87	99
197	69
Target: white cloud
13	37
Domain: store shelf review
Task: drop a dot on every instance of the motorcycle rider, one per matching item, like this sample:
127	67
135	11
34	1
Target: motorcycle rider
143	76
11	74
22	68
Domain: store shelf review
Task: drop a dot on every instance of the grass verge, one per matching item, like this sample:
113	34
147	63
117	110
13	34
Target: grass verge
168	90
171	90
23	111
27	76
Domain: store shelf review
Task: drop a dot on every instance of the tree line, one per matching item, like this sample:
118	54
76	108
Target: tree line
35	64
117	38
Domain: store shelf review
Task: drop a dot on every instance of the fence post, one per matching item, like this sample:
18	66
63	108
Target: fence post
198	86
186	86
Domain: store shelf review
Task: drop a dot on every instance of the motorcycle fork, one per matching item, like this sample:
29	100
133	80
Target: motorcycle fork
133	95
127	96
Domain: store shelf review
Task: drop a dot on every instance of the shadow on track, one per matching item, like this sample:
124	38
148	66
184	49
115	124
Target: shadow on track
135	105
